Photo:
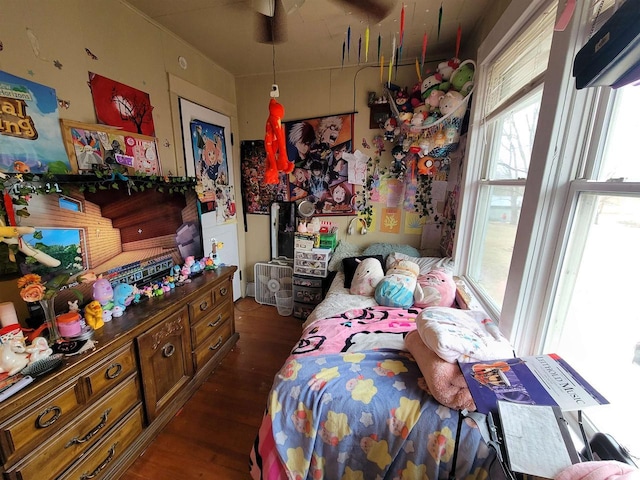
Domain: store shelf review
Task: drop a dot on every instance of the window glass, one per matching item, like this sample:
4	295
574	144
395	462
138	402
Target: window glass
513	133
621	156
493	244
595	323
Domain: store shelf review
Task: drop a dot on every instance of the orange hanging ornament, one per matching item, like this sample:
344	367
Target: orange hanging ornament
275	144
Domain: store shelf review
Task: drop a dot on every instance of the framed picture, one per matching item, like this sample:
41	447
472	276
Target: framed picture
91	146
378	114
320	175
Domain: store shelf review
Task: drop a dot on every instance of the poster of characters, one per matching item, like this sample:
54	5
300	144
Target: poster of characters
321	173
258	195
211	166
30	135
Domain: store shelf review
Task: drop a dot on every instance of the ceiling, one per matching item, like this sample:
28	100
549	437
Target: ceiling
224	31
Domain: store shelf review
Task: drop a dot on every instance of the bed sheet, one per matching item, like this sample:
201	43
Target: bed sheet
338	300
350	403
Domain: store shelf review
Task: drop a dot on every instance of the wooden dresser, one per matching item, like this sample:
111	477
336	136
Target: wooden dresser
92	417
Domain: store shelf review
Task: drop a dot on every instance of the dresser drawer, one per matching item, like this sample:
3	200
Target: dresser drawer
43	420
214	343
104	454
311	295
61	450
209	324
107	374
223	292
202	306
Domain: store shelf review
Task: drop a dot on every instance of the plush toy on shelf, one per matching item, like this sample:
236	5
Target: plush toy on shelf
275	144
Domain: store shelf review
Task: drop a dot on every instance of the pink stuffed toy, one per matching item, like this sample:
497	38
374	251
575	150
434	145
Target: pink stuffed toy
367	275
438	289
275	144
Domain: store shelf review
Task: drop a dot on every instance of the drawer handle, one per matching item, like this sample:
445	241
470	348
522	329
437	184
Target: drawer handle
216	323
217	345
224	291
204	305
41	422
102	466
92	433
113	371
168	350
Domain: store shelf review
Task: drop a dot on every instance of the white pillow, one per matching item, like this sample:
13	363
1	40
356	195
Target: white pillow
343	250
426	264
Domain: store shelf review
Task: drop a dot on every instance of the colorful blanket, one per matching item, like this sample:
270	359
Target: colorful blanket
349	403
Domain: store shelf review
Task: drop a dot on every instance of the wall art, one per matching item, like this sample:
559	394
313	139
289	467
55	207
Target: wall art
257	195
30	138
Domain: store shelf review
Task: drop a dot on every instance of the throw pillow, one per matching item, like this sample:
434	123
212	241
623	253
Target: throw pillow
342	251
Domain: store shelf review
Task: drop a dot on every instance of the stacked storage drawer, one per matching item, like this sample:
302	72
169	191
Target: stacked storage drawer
314	262
307	293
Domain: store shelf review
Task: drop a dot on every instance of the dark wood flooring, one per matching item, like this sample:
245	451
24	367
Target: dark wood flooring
212	435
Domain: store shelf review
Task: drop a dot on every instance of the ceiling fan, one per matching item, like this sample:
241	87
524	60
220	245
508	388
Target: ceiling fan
271	15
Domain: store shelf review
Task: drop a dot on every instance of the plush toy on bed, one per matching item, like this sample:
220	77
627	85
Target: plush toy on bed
438	289
399	287
367	275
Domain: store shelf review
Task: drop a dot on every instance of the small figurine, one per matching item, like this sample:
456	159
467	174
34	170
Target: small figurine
73	306
38	349
123	295
103	292
13	356
93	315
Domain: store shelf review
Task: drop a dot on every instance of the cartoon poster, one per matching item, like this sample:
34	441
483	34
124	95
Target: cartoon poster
120	105
258	195
210	159
30	135
321	173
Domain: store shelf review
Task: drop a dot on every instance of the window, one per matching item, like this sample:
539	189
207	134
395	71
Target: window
595	322
550	213
510	101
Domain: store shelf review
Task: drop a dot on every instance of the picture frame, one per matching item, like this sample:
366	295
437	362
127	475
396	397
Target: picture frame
94	146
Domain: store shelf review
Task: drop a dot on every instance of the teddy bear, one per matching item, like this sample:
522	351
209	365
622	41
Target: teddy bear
450	102
399	287
438	289
367	275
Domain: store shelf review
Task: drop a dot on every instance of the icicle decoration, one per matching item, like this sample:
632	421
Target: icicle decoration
439	20
359	48
424	51
366	45
349	43
458	38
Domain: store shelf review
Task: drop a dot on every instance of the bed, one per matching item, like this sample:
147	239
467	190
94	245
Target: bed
350	402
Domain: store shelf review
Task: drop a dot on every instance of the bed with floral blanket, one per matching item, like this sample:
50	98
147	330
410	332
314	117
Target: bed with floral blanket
350	403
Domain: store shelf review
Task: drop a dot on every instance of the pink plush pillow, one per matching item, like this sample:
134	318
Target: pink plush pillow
438	289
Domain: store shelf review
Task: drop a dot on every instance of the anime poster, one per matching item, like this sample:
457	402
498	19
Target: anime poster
120	105
210	159
258	195
321	173
30	135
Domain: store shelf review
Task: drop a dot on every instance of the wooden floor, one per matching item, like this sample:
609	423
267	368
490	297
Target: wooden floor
211	437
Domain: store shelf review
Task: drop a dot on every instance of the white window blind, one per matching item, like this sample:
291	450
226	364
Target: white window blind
520	63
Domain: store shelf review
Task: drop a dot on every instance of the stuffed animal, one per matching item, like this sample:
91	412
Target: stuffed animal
462	77
450	102
438	289
103	292
123	295
399	287
93	315
432	82
367	275
275	144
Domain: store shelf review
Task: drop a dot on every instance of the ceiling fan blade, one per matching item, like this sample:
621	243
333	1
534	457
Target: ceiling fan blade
375	10
272	29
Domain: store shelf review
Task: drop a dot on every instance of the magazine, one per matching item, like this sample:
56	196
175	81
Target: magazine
534	380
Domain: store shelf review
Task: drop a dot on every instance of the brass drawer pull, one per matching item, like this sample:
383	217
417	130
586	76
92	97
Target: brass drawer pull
113	371
216	323
41	422
217	345
224	291
92	433
102	466
168	350
204	305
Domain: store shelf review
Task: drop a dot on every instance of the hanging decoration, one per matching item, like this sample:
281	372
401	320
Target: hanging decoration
381	67
458	38
401	34
424	51
275	144
366	45
418	71
359	48
439	20
344	46
379	45
349	43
